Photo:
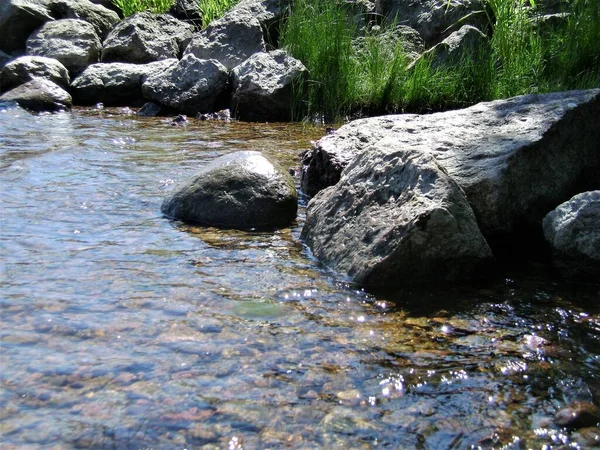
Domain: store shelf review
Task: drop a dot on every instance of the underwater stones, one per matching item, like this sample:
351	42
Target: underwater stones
572	231
239	190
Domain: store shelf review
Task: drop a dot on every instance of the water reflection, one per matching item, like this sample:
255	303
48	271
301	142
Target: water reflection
121	329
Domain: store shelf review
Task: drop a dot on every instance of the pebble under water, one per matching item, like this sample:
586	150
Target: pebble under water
121	329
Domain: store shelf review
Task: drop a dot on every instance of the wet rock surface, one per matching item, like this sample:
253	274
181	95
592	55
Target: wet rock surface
25	68
572	231
396	217
578	415
238	190
39	95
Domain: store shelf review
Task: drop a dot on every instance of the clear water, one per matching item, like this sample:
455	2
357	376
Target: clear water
121	329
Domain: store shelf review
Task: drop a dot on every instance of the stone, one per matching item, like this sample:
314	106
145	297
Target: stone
269	13
73	42
572	231
262	86
187	11
433	19
39	95
115	84
18	19
466	39
516	159
149	109
145	37
5	58
409	38
396	217
26	68
101	18
230	40
578	415
191	86
238	190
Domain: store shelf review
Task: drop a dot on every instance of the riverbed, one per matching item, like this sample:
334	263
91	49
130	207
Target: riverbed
122	329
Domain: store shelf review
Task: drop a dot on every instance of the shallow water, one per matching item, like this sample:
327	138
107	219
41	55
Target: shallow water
121	329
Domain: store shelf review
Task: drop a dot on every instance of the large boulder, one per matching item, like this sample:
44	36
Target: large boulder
73	42
24	69
262	86
396	217
145	37
230	40
464	41
573	232
115	84
516	159
269	13
18	19
187	11
191	86
39	95
433	19
101	18
238	190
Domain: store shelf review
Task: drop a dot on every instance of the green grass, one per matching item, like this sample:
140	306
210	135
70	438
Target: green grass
129	7
520	56
214	9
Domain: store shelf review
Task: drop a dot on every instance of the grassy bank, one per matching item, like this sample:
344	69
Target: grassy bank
520	56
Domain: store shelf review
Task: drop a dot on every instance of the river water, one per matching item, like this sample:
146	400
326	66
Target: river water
122	329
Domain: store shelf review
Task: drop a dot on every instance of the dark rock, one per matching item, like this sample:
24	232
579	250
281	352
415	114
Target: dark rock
573	232
191	86
146	37
73	42
230	40
578	415
516	159
269	13
238	190
262	86
149	109
396	217
101	18
180	121
115	84
5	58
18	19
26	68
187	11
39	95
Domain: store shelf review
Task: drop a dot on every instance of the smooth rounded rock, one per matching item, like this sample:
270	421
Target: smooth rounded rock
239	190
578	415
26	68
39	95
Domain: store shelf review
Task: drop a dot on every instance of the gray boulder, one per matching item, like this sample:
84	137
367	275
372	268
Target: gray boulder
187	11
238	190
573	232
230	40
515	159
39	95
262	86
269	13
101	18
73	42
433	19
466	39
388	39
115	84
396	217
191	86
146	37
18	19
26	68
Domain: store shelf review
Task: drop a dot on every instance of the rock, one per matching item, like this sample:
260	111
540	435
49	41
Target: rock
73	42
145	37
18	19
101	18
396	217
588	437
108	4
409	38
433	19
230	40
466	39
262	86
516	159
238	190
578	415
269	13
115	84
39	95
187	11
191	86
149	109
573	232
26	68
5	58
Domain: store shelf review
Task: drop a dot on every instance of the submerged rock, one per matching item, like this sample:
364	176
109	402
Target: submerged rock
396	217
573	232
24	69
39	95
238	190
578	415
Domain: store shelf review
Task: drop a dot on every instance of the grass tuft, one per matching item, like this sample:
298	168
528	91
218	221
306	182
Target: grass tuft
130	7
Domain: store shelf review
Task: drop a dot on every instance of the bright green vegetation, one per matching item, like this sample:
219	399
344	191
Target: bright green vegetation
129	7
373	74
214	9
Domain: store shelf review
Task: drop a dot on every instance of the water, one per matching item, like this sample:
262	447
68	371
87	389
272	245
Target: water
121	329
